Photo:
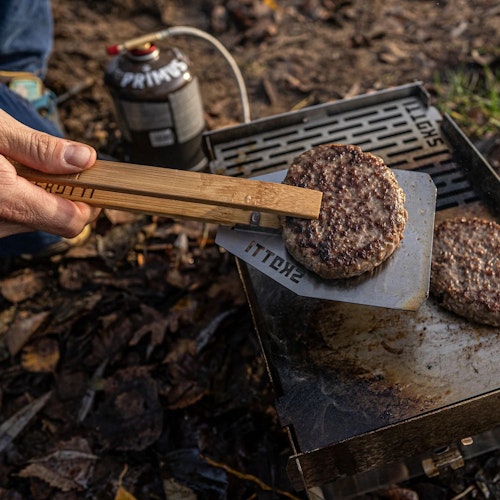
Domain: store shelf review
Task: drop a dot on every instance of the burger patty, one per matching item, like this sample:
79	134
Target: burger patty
362	216
465	271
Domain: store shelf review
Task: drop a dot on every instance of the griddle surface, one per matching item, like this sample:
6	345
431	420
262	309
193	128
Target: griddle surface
344	369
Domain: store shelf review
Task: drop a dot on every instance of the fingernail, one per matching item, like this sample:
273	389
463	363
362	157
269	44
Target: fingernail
77	155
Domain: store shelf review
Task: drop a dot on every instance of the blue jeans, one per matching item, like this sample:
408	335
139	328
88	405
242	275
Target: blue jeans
26	37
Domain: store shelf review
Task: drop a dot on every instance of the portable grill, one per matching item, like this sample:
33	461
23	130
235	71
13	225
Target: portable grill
369	395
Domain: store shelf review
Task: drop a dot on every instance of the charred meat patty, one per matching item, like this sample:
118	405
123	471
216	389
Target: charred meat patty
465	271
362	216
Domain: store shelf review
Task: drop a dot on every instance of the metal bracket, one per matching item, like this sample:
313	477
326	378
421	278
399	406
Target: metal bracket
450	456
255	219
254	225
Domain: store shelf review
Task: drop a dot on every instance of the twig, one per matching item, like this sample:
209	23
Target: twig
206	334
76	89
249	477
464	493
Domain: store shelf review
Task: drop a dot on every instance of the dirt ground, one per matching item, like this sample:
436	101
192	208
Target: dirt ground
291	53
138	346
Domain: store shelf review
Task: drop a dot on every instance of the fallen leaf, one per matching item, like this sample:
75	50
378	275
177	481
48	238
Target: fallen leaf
24	326
41	356
68	468
7	316
187	385
177	491
182	349
181	313
23	285
190	469
130	416
115	332
11	427
154	323
73	275
123	494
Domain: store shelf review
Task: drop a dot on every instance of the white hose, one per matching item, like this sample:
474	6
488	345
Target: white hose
187	30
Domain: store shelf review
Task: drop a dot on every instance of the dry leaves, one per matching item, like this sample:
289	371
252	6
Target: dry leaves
23	327
130	416
23	285
68	467
41	356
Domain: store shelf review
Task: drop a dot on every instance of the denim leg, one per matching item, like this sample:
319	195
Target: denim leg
21	110
26	243
26	35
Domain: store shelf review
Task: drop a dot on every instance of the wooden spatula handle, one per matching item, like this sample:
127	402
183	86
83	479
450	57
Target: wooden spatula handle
194	187
161	206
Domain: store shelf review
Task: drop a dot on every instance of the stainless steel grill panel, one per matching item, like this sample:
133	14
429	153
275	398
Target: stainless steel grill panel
398	125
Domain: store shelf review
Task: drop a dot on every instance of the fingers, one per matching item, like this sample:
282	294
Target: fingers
24	206
42	151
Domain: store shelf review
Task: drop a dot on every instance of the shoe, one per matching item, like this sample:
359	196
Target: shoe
31	88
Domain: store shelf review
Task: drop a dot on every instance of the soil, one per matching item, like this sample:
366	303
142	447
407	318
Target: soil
139	345
291	53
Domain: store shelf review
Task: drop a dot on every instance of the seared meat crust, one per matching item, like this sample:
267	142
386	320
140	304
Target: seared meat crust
362	216
465	272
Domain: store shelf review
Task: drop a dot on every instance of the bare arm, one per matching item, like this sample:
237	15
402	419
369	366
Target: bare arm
26	207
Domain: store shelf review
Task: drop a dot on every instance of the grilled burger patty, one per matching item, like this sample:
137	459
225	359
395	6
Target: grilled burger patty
362	215
465	271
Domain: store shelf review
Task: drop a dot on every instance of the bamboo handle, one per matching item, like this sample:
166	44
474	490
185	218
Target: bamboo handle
161	206
193	187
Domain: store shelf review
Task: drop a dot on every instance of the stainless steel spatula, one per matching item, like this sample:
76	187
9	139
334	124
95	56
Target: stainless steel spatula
402	282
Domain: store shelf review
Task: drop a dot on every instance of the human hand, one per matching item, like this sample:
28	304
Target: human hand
26	207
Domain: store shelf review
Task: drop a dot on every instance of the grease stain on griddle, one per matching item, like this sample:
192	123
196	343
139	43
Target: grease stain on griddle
343	369
428	355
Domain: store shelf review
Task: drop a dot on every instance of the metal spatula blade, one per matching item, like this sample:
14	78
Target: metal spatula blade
402	282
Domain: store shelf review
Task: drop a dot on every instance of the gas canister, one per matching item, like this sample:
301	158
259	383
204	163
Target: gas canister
158	106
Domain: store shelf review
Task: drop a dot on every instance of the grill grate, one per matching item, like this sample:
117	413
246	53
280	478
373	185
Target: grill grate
397	125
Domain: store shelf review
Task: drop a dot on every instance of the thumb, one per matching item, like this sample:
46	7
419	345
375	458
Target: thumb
42	151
